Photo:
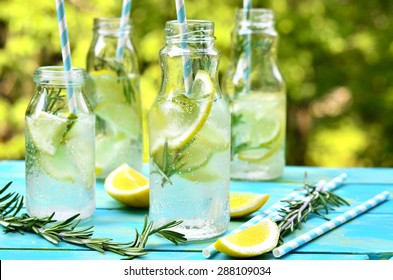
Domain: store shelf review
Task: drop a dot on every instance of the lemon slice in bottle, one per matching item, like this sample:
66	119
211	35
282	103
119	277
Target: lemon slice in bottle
46	131
250	242
181	118
107	86
122	118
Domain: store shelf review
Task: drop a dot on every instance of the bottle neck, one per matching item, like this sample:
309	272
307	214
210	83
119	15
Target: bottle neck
189	48
110	36
56	76
254	33
111	27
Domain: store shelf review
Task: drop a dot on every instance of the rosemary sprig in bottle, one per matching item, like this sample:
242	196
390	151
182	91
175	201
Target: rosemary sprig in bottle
67	231
171	162
317	200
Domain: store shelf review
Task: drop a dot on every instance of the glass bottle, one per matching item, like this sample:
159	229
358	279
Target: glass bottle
60	173
189	126
113	91
256	93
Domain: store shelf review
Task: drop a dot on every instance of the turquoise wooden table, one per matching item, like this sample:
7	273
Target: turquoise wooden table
369	236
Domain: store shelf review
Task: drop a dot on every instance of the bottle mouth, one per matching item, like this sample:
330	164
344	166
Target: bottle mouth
106	25
192	31
56	75
257	18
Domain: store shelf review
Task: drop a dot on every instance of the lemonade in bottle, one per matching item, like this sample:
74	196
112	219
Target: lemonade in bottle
190	137
256	92
60	173
113	91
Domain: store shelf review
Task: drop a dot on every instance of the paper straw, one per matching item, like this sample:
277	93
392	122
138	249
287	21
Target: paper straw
125	16
247	4
272	211
183	28
325	227
65	51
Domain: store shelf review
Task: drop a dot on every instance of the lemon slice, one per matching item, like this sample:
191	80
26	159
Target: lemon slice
111	150
106	86
46	131
262	153
128	186
58	167
251	242
182	117
122	118
243	204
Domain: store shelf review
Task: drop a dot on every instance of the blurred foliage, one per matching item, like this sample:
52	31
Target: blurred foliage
336	57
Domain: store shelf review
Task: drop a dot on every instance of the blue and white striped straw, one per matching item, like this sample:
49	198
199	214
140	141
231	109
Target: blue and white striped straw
183	28
65	51
125	16
247	5
272	211
325	227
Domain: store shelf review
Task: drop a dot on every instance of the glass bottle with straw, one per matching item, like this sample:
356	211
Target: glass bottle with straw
60	174
256	91
189	126
113	91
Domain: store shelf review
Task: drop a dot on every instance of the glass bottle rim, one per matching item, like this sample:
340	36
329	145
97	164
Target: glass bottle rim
110	25
198	30
57	75
256	17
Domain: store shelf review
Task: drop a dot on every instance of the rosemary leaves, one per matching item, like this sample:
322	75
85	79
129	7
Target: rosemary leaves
68	230
317	201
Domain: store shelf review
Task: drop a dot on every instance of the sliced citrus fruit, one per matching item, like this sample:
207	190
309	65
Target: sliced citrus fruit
46	131
111	150
81	156
243	204
122	118
179	119
107	86
250	242
128	186
262	153
58	167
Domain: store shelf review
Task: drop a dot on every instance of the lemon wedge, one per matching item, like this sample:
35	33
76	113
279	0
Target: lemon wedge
251	242
243	204
128	186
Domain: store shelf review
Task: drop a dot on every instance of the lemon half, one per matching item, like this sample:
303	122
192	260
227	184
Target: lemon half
128	186
251	242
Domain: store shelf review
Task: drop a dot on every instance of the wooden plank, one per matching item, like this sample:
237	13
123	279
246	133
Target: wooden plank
368	234
89	255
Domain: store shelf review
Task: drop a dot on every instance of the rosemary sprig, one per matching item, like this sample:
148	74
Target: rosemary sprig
317	200
171	162
67	231
54	100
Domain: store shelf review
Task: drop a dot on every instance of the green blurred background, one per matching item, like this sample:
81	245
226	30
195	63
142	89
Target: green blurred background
335	55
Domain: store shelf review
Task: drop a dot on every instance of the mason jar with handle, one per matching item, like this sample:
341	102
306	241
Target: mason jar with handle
113	91
256	92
